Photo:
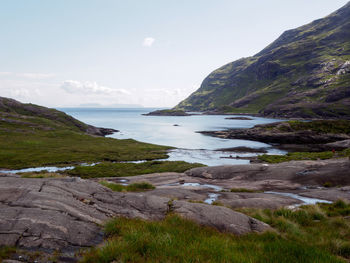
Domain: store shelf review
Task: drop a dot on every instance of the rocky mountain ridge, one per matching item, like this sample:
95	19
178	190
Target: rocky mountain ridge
304	73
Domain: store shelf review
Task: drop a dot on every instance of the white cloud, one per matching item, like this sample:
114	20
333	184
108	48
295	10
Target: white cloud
148	42
73	86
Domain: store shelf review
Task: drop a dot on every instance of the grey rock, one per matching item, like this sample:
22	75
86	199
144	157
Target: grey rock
278	132
219	217
67	213
286	175
339	145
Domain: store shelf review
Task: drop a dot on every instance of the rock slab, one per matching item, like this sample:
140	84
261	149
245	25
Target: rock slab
67	213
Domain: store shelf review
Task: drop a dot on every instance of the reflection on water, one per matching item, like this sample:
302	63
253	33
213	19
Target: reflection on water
211	198
162	130
50	169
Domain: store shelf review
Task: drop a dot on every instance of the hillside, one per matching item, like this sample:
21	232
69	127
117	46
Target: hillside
32	135
14	112
304	73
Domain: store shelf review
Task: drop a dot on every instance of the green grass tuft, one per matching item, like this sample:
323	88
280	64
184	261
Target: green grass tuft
135	187
42	175
108	169
321	126
298	156
323	226
6	252
307	235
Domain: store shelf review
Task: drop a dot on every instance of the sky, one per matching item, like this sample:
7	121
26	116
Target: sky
154	53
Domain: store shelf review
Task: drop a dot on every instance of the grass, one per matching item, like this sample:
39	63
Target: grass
324	226
321	126
41	175
297	156
6	252
108	169
135	187
318	233
23	146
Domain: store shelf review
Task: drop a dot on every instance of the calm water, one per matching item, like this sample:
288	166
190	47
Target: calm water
193	147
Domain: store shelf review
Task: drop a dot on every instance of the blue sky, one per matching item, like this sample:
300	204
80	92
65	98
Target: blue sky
154	53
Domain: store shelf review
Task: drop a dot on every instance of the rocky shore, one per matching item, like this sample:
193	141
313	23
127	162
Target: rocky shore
66	213
100	131
288	138
239	118
167	113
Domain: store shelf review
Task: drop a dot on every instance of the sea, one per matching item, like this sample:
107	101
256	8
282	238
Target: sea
177	131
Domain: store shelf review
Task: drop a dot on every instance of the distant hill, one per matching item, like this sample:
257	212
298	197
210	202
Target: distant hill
14	112
304	73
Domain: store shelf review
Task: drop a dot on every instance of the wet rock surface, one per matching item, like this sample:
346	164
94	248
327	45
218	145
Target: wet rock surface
305	178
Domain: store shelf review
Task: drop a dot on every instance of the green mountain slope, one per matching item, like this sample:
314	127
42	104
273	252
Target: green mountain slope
304	73
32	135
15	112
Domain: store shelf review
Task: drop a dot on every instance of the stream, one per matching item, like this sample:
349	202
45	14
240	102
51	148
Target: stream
305	200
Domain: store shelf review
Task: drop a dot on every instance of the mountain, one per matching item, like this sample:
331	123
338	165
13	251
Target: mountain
13	112
304	73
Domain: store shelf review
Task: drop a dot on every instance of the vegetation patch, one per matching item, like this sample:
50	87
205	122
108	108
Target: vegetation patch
6	252
33	136
319	126
178	240
323	226
135	187
109	169
262	84
42	175
298	156
23	146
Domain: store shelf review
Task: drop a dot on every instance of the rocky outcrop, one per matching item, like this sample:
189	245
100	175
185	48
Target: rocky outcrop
243	149
67	213
339	145
250	182
283	176
219	217
239	118
281	133
167	113
100	131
